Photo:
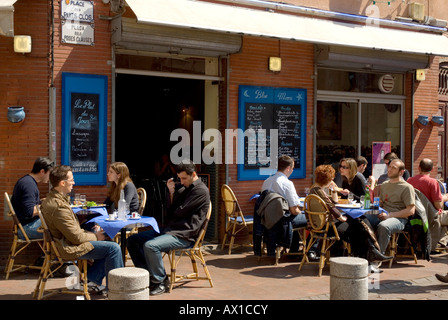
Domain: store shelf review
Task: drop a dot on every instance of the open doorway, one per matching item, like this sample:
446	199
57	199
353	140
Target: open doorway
147	110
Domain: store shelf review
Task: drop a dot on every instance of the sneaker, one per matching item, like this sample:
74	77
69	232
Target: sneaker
374	267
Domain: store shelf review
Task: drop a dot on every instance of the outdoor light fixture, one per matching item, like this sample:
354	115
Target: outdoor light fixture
275	64
16	114
22	44
437	121
421	121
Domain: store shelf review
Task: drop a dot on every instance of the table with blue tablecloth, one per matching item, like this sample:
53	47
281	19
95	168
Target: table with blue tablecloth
357	212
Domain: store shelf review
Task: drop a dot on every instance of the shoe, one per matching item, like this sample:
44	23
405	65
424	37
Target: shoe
158	289
96	289
374	268
312	256
375	255
442	278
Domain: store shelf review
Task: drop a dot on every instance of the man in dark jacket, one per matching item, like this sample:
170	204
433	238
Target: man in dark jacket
187	209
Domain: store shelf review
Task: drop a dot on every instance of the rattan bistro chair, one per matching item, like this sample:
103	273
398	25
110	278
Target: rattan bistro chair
52	263
393	246
195	253
235	220
18	244
320	220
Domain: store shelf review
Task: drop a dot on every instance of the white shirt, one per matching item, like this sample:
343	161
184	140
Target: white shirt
279	183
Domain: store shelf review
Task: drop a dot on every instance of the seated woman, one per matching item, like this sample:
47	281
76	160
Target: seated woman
118	176
351	182
356	231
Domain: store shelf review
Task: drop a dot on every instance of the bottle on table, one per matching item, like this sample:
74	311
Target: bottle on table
367	198
122	207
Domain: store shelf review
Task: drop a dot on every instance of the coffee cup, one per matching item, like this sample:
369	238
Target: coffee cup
135	215
111	216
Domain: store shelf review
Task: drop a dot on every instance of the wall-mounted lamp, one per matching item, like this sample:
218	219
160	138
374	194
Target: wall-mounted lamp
420	74
421	121
275	64
437	121
22	44
16	114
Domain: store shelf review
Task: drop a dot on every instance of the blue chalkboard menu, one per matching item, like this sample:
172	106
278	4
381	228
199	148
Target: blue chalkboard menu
283	109
84	123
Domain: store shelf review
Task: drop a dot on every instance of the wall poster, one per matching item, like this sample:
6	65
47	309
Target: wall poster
270	108
379	150
84	127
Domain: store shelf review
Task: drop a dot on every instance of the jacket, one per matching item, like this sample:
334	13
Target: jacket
272	209
71	241
420	223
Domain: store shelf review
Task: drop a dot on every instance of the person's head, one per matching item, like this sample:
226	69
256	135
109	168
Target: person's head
395	169
61	178
324	174
361	162
186	171
41	169
285	164
349	168
118	175
426	165
388	157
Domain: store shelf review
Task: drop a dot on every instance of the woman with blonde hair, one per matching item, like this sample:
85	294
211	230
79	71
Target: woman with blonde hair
350	180
119	178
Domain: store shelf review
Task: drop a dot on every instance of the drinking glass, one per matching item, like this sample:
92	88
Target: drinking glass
350	197
83	199
77	201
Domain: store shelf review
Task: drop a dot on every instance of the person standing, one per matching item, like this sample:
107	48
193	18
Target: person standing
26	196
187	209
73	242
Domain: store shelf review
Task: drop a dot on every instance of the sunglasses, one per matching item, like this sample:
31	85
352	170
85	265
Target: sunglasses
344	167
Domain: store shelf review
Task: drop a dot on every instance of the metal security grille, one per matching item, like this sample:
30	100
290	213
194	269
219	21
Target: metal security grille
443	80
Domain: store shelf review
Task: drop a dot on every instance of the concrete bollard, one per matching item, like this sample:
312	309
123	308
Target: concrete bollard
349	278
128	284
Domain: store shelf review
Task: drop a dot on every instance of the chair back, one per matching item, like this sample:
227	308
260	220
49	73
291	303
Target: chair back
141	199
203	230
317	212
17	225
231	206
442	187
49	244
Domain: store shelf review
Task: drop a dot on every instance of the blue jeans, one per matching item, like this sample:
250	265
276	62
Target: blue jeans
106	256
385	228
31	230
146	250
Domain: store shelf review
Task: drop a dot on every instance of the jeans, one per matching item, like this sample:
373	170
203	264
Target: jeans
106	256
146	250
385	228
31	230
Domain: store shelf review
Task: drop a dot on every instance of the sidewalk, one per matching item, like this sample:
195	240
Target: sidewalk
241	276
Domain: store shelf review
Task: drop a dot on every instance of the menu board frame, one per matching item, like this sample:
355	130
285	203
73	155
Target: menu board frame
84	122
272	100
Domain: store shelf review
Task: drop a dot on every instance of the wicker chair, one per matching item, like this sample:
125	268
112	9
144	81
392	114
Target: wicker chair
393	246
18	244
235	220
319	219
52	258
195	253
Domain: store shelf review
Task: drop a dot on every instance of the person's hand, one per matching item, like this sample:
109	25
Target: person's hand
345	192
100	236
383	216
342	218
170	184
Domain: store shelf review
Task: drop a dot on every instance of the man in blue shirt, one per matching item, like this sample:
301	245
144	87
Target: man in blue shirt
26	196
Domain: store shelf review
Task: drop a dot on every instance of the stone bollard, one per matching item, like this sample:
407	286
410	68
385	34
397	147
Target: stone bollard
128	284
349	278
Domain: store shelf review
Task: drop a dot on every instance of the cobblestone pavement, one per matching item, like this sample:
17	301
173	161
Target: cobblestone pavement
241	276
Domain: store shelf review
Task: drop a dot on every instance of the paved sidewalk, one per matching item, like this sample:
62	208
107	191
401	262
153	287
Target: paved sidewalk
241	276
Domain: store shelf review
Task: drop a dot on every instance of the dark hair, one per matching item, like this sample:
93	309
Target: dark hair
42	163
361	160
186	165
426	165
324	174
58	174
284	162
390	156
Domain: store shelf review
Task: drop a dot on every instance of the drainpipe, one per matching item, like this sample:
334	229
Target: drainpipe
227	110
412	124
270	5
52	96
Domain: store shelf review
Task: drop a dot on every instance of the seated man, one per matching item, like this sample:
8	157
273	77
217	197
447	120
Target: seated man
187	209
72	241
26	196
397	197
431	189
280	184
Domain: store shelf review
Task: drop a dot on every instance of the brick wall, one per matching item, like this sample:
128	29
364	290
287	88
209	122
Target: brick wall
250	67
25	80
